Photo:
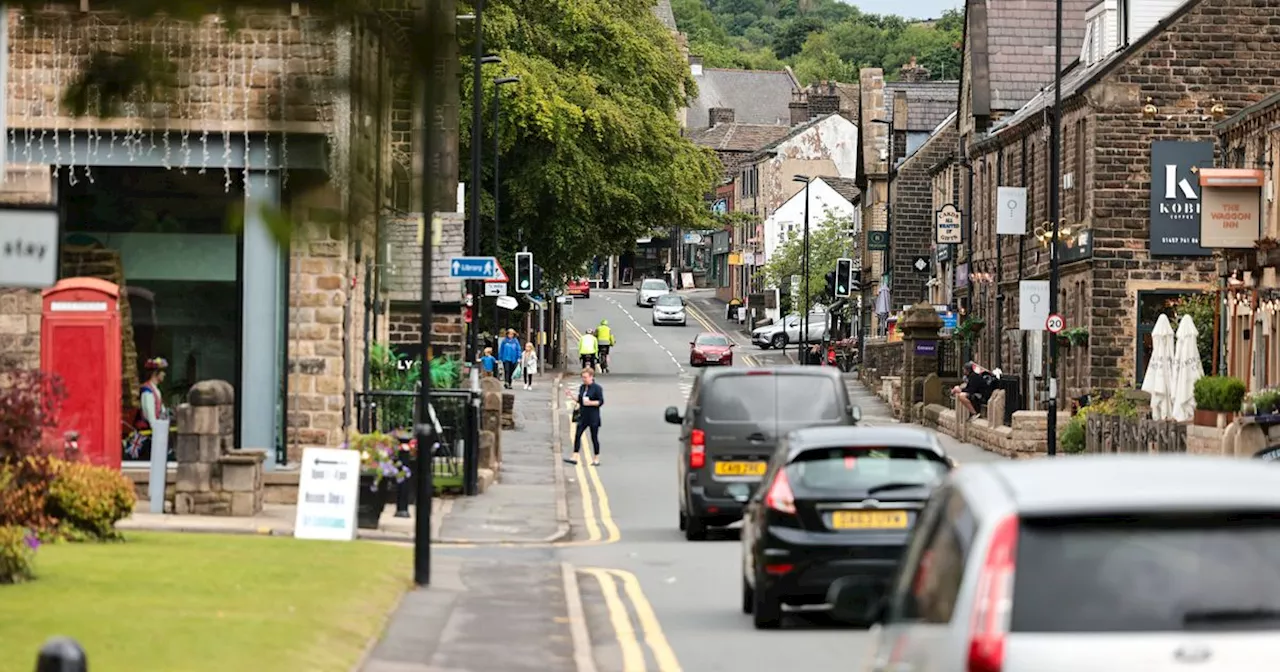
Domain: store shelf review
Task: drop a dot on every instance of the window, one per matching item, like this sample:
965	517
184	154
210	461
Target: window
929	583
794	398
1081	160
1147	573
861	468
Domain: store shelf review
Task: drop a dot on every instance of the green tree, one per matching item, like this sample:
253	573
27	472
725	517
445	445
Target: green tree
828	241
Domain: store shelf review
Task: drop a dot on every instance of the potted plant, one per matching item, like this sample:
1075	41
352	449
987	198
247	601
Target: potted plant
1264	404
380	468
1218	399
970	328
1074	338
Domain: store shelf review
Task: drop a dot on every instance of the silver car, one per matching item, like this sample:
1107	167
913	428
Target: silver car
1102	563
669	309
649	291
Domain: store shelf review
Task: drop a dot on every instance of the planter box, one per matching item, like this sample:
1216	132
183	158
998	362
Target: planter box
1210	419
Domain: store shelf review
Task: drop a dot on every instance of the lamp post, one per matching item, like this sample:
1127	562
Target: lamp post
804	270
473	234
497	184
1055	215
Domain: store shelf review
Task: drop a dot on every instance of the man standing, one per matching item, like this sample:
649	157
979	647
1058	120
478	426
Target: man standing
588	348
509	354
590	399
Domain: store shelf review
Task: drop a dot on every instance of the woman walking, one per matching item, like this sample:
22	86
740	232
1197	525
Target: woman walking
529	363
509	355
590	399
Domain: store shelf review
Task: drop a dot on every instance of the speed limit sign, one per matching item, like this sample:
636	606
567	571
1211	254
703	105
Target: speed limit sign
1055	324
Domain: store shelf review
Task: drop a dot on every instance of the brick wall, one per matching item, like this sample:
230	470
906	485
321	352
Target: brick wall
20	309
404	326
913	215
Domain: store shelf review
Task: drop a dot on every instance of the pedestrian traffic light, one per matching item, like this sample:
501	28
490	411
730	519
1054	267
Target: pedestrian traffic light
537	279
524	272
830	288
855	282
844	273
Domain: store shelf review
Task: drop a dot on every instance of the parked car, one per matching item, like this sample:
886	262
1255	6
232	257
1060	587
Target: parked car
788	330
710	349
837	506
580	287
649	290
669	309
731	426
1101	563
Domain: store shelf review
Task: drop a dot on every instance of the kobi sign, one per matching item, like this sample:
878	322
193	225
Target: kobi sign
1175	197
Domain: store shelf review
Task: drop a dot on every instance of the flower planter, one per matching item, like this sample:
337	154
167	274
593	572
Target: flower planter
1212	419
372	501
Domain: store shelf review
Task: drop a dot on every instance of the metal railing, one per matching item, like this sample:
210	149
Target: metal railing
948	362
455	463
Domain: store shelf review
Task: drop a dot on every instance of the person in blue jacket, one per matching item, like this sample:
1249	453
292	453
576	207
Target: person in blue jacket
509	350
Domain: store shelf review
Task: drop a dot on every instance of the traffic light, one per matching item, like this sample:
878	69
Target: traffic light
524	272
537	279
830	288
844	273
855	282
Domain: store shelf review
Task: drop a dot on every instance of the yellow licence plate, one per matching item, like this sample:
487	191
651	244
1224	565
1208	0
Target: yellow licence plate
869	520
740	468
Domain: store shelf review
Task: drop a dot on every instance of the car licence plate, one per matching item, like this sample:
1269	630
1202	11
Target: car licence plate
869	520
713	358
740	468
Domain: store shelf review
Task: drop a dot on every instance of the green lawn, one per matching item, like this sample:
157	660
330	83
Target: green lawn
193	602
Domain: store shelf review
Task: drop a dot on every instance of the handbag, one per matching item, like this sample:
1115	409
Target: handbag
577	414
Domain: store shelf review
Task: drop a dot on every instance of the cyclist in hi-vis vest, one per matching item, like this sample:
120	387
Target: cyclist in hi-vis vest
588	349
605	337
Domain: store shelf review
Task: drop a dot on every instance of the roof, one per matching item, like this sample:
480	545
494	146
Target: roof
1111	483
928	103
662	9
891	436
847	187
737	137
1019	43
755	96
791	369
791	133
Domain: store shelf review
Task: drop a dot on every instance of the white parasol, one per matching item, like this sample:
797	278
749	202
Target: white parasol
1158	381
1187	369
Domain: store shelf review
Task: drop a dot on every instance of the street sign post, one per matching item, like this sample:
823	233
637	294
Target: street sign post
1055	324
477	268
495	289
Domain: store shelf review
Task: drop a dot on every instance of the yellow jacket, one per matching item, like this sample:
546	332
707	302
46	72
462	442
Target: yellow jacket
604	334
588	345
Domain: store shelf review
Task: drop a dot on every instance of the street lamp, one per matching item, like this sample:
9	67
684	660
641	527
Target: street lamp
1055	206
473	233
497	186
804	270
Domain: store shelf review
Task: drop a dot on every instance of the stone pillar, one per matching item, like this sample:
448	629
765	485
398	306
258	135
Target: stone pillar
508	410
214	479
919	326
491	421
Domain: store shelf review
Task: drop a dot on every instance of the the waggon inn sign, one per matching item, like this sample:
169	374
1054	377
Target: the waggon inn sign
1175	197
1231	207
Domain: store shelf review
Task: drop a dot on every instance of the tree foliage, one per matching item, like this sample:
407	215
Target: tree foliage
828	241
819	39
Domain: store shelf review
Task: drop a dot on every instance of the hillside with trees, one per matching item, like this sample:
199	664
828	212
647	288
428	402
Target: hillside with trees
819	39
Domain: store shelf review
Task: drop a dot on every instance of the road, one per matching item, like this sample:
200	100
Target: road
652	599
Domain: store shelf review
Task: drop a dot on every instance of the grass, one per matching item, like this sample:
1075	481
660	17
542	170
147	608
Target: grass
196	602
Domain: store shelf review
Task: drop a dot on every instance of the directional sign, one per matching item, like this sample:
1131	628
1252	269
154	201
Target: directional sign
1055	324
508	302
921	264
477	268
495	289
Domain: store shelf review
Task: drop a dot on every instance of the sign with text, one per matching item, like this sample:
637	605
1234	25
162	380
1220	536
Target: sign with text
495	289
28	246
1175	197
1231	212
878	241
1011	211
1033	304
925	348
948	226
328	487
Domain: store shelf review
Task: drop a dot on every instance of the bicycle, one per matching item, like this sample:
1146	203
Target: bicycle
604	357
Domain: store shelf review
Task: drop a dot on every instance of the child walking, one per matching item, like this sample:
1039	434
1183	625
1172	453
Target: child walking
529	362
489	362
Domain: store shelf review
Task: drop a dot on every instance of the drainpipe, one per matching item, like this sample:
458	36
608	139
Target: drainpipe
999	272
1022	258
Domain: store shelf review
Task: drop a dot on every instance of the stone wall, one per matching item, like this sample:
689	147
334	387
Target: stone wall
1028	437
20	311
213	479
448	332
914	215
881	359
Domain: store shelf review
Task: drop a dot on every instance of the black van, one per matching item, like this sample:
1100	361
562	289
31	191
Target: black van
731	427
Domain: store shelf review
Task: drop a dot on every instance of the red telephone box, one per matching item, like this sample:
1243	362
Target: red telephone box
80	343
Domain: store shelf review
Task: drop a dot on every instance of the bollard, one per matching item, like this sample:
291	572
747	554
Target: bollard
62	654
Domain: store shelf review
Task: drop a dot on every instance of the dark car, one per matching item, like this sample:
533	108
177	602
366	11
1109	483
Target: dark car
710	349
837	509
731	428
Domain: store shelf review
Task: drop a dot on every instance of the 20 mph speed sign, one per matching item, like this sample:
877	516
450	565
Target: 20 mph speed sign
1055	324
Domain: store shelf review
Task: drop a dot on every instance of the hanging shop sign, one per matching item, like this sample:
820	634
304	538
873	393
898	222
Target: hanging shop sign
1175	197
1231	208
948	226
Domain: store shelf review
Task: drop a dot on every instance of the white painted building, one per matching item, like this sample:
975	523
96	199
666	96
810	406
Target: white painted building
837	197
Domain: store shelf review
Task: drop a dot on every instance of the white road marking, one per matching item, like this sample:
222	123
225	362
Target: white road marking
674	360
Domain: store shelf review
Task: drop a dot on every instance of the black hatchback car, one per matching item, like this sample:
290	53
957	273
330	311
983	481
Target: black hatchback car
731	427
834	514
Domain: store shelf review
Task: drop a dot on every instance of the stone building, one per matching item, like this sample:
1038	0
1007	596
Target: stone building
1139	108
252	124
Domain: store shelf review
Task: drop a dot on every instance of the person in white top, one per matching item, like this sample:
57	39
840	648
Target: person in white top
529	362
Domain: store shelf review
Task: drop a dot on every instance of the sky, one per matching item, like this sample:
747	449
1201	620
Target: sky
911	9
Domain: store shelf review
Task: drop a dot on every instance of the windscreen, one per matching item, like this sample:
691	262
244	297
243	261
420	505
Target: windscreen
1148	574
754	398
862	468
654	285
670	301
712	339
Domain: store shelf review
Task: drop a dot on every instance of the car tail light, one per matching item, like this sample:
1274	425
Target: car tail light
759	372
994	600
780	497
697	449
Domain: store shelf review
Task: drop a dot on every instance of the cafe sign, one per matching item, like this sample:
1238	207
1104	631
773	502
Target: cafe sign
947	226
1231	207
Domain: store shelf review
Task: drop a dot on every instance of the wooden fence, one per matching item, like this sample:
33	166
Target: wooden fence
1114	434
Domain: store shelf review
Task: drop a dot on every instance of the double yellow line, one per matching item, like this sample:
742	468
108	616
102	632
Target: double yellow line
601	529
710	326
632	644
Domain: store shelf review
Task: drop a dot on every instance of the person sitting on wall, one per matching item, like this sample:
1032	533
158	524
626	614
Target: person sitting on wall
150	408
976	389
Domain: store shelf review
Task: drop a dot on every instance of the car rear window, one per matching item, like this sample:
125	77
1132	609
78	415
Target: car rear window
860	468
654	284
754	398
1148	574
670	300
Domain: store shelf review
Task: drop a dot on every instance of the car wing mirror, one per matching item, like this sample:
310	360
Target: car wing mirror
951	462
856	413
673	415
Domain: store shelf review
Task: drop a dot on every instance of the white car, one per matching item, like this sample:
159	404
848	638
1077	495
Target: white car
669	309
649	291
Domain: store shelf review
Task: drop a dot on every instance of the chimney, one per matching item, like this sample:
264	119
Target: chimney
823	100
900	119
912	72
721	115
695	65
799	108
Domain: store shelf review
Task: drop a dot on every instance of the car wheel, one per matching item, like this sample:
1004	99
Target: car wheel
684	521
685	323
654	320
766	609
778	341
748	597
695	529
